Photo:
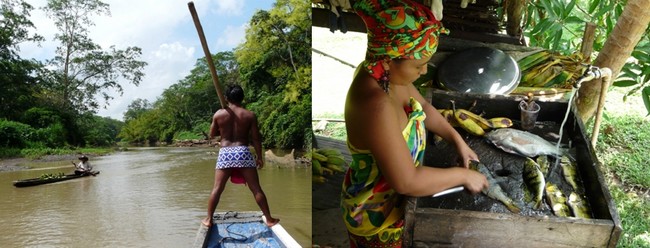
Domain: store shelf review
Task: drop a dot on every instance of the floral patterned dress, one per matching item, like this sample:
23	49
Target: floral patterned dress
373	212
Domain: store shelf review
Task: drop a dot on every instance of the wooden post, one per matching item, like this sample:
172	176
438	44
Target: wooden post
588	38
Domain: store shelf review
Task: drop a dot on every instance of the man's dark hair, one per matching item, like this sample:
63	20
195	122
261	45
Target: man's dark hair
234	93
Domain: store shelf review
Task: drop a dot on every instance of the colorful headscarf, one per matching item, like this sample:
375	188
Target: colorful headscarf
397	29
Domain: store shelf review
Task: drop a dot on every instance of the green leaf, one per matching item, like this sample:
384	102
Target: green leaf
645	93
568	9
542	25
625	83
557	40
593	6
574	19
549	9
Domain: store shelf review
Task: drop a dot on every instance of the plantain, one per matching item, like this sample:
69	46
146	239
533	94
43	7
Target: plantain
318	179
482	122
316	168
327	171
336	160
320	157
466	123
448	114
335	168
330	151
500	122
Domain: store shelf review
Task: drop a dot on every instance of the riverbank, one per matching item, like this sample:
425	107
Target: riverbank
16	164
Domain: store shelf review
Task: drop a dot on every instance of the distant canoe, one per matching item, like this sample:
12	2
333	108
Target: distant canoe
242	229
39	181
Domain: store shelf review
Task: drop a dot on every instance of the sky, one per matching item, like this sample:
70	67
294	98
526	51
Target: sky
165	32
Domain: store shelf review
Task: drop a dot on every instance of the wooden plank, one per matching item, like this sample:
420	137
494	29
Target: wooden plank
460	228
320	18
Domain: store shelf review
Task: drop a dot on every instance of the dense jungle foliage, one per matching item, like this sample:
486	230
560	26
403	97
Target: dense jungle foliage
52	104
273	66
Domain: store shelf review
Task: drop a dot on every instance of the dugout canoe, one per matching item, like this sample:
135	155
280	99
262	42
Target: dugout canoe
39	181
234	229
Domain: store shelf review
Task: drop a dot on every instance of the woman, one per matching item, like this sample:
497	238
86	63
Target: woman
386	117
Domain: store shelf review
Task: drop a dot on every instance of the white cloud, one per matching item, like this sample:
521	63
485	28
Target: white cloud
230	7
165	32
231	37
169	63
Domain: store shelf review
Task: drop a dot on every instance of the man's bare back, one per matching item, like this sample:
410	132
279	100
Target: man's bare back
234	124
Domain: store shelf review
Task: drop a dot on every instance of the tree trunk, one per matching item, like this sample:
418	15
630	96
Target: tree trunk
629	29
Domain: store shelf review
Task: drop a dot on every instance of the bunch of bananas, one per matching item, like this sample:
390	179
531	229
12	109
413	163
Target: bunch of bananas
51	176
473	123
550	70
326	162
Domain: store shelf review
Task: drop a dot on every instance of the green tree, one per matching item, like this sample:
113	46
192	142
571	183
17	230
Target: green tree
82	69
275	64
16	74
136	109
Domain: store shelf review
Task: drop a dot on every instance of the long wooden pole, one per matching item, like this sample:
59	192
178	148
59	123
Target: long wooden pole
208	55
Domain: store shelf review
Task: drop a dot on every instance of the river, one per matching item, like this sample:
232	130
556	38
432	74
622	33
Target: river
144	197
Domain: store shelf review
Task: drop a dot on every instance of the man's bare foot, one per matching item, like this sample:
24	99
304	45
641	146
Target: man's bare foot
207	222
270	221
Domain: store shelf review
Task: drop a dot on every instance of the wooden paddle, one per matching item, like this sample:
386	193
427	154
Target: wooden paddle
208	55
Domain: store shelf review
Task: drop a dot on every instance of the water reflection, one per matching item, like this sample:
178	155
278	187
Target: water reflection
146	197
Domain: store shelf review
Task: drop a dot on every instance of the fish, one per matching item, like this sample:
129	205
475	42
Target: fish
578	206
569	172
543	163
535	181
494	191
522	143
557	200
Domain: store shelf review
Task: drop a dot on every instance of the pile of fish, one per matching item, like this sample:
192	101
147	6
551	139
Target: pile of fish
536	186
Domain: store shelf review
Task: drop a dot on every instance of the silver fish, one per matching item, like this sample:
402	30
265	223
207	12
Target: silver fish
522	143
578	206
557	200
534	180
569	172
494	191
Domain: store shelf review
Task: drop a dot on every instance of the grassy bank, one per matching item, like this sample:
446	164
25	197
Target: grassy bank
34	153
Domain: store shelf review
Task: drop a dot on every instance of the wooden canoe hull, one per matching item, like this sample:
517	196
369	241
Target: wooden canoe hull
242	229
38	181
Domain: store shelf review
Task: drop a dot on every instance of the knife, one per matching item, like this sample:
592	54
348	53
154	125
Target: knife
449	191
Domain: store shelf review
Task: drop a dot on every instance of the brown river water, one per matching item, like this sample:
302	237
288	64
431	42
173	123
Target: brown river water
144	197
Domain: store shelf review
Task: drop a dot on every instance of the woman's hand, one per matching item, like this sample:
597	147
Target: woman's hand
465	154
475	182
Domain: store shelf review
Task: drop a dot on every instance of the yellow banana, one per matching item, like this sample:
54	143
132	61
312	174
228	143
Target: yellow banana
482	122
500	122
468	124
448	114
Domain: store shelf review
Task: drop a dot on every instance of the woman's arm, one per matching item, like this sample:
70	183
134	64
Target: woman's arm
373	124
437	124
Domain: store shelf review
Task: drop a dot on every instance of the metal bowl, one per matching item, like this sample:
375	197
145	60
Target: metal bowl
480	70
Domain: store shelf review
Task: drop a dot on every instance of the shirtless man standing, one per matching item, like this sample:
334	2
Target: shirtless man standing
234	124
